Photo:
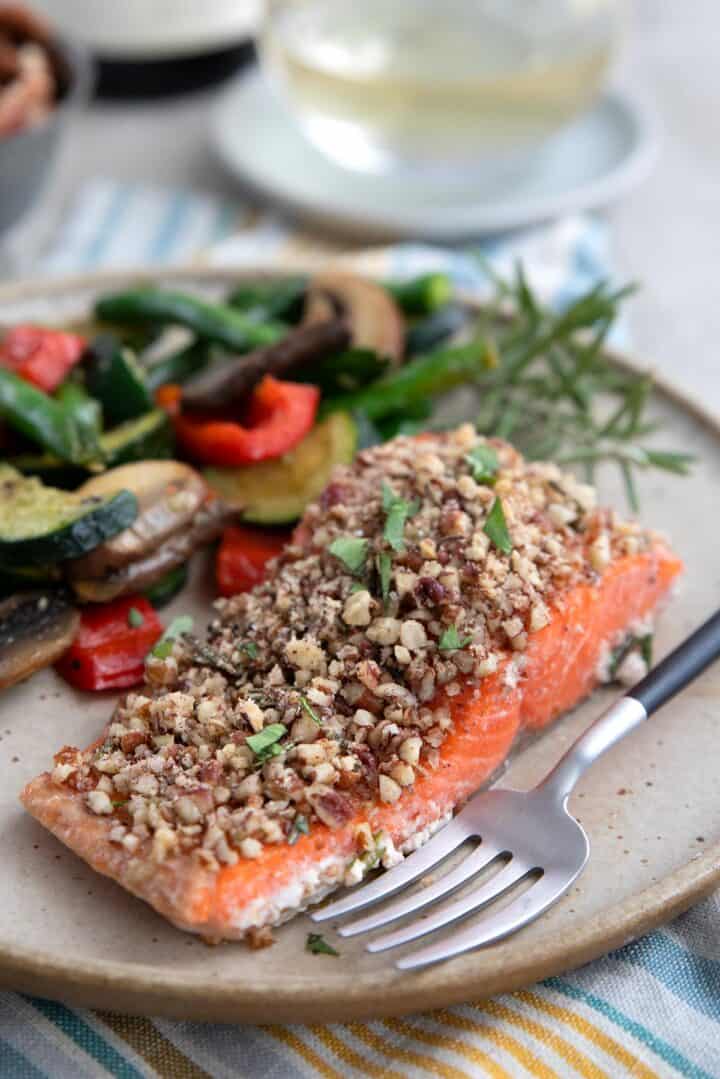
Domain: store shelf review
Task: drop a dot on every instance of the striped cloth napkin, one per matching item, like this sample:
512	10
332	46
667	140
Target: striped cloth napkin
651	1009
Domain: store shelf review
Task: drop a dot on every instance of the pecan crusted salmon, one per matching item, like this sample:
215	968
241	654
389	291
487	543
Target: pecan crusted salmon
440	598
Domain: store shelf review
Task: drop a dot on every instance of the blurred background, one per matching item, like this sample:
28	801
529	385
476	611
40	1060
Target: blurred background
453	124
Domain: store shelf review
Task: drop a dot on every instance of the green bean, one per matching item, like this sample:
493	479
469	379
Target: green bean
272	299
418	379
421	295
210	321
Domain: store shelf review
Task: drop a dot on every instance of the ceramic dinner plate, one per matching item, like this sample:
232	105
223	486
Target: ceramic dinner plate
651	807
593	161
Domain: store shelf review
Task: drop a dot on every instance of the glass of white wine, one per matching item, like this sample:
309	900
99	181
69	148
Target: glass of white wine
440	85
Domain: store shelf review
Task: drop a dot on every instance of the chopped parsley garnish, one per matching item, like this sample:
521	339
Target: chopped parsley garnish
451	640
496	528
135	618
646	649
264	744
307	707
397	511
317	945
644	645
249	648
351	551
180	625
298	827
484	463
384	568
208	657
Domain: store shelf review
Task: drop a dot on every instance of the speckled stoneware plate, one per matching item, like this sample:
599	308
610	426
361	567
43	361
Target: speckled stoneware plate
651	807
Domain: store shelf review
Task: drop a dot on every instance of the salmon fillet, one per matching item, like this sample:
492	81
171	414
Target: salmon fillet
400	667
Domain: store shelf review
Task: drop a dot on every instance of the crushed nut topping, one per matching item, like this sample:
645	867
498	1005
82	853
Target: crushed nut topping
344	697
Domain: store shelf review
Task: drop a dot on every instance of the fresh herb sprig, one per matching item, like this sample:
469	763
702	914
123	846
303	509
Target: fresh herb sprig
555	393
544	380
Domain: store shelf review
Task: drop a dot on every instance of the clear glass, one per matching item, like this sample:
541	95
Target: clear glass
448	85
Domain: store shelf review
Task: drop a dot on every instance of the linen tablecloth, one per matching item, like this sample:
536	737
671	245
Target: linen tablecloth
650	1009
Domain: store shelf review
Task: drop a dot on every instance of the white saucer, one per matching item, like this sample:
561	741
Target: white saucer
596	159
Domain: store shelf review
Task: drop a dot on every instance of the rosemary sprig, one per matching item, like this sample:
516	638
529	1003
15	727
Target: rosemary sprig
555	393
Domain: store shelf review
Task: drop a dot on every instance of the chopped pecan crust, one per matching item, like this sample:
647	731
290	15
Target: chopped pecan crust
355	676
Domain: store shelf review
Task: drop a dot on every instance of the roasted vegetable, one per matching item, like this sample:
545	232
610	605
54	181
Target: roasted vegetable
40	418
41	525
164	591
179	365
39	355
111	644
276	298
169	495
417	381
348	370
375	320
230	383
242	557
86	415
212	322
148	437
175	551
35	629
279	416
421	295
277	492
52	470
114	376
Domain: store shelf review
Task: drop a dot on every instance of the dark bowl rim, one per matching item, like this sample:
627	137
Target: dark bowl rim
80	67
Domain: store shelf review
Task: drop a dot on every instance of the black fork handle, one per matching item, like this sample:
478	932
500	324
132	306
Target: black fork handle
687	661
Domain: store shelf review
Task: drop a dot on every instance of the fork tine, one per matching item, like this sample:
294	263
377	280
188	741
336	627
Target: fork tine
522	910
445	842
513	872
469	866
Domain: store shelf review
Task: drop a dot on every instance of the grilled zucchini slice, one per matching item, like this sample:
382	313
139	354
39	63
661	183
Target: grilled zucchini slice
40	526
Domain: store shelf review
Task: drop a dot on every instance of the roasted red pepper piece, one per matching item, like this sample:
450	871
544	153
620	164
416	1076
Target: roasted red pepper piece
112	642
279	416
242	556
41	356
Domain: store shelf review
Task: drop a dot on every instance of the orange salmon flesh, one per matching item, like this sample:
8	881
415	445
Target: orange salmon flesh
558	669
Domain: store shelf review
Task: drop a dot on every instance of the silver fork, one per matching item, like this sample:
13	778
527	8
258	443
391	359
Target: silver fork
529	835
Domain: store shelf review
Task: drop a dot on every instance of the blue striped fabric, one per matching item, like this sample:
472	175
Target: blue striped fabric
650	1009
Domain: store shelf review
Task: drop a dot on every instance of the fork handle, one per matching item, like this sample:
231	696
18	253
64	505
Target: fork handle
684	664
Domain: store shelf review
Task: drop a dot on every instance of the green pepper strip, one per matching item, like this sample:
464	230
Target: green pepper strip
39	417
214	322
415	381
85	412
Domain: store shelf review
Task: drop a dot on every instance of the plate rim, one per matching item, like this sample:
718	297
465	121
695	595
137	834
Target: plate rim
143	989
449	223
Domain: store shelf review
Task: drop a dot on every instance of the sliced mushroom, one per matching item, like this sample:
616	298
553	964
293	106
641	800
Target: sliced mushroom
35	629
175	551
232	381
375	319
169	495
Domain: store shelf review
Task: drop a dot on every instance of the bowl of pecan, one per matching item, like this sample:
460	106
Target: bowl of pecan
42	78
